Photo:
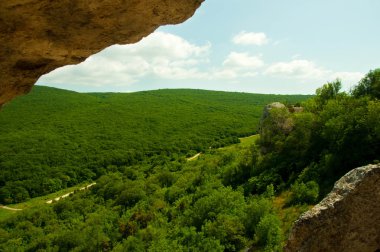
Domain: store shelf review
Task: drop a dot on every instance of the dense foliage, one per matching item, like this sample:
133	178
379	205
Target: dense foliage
369	85
228	199
52	138
333	133
166	206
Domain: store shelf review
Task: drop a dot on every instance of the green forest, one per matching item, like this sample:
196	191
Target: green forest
52	139
256	173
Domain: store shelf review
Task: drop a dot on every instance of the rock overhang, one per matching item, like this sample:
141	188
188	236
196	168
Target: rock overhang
38	36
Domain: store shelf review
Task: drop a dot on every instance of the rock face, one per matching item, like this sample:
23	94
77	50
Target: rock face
37	36
348	219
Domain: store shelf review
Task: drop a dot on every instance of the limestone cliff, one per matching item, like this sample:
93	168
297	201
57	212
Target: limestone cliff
37	36
348	219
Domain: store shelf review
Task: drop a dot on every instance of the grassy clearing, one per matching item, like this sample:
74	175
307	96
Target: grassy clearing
4	213
288	214
248	141
245	143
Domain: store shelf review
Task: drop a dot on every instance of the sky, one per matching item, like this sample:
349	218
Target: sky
255	46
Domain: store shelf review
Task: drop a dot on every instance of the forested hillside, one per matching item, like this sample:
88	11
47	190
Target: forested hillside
167	206
227	199
52	138
335	132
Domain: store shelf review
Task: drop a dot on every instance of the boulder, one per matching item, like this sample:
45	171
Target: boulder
348	219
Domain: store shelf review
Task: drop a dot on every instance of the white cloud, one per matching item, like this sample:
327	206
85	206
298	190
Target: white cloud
250	38
242	60
238	65
166	45
297	68
308	71
161	55
350	77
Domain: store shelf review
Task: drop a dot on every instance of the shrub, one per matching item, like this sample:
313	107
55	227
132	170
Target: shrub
268	233
304	193
255	211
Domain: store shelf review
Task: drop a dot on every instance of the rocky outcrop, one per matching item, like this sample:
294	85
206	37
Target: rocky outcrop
275	118
348	219
37	36
269	107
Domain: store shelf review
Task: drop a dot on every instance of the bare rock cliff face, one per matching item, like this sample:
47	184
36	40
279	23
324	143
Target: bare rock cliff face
348	219
37	36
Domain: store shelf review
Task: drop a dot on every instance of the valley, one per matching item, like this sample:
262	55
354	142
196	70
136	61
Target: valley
113	137
159	185
71	137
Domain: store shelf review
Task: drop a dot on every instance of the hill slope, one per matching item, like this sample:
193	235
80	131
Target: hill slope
55	138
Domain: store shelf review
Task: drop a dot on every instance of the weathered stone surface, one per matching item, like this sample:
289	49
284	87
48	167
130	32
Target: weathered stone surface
348	219
37	36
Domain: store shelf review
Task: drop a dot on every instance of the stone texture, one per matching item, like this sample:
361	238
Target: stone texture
348	219
37	36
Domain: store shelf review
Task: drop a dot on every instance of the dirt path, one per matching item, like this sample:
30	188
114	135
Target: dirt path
194	157
68	194
10	208
49	201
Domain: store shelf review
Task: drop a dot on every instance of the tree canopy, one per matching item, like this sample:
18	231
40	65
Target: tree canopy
369	85
53	139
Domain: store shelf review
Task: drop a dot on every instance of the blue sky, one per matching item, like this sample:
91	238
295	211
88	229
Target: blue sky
257	46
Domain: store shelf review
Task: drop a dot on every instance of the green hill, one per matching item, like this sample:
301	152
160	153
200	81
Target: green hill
53	138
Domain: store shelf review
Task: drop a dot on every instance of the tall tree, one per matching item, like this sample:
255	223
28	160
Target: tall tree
369	85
